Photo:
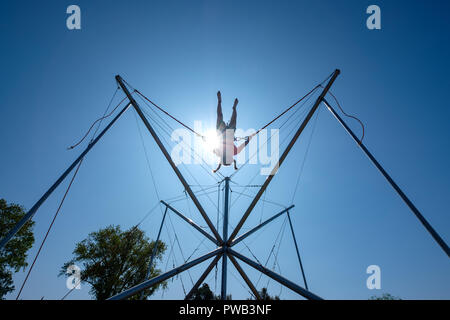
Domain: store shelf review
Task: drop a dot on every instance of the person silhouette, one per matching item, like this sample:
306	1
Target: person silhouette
226	149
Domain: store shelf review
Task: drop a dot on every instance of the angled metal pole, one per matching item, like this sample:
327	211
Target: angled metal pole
192	223
203	277
275	276
283	156
223	293
259	226
36	206
244	276
298	252
169	159
399	191
169	274
152	257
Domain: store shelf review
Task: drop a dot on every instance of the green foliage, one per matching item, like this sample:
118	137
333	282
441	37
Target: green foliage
13	257
384	296
112	260
205	293
265	295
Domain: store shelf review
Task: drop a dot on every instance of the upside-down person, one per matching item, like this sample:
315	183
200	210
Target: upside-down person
226	149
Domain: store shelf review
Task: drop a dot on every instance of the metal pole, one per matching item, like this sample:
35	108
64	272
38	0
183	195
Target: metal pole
158	279
169	159
156	245
244	276
36	206
154	249
283	156
275	276
223	294
203	277
245	235
408	202
298	252
192	223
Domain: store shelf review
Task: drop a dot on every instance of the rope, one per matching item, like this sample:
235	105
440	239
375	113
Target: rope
183	142
161	109
281	114
298	101
148	214
305	156
106	111
99	119
179	246
290	119
188	171
348	115
48	230
273	248
237	138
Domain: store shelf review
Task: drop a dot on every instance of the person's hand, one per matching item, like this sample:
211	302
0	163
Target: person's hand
248	138
219	96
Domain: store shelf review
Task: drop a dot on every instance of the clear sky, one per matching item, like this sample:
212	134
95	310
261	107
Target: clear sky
55	82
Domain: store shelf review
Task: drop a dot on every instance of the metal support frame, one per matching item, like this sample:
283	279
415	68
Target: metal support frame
223	293
275	276
224	243
399	191
156	243
244	276
47	194
192	223
169	159
169	274
283	156
152	257
296	249
203	277
250	232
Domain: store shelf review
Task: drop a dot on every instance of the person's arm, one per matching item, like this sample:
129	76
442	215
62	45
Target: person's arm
237	150
217	169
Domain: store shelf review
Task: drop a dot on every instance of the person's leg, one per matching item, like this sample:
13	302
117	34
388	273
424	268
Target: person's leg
235	166
220	123
232	124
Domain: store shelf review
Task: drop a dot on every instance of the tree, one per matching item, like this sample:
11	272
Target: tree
13	256
384	296
113	260
205	293
265	295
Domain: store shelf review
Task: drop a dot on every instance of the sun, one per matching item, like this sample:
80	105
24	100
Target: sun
211	140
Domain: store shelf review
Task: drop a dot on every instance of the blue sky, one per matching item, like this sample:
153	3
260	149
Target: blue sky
268	54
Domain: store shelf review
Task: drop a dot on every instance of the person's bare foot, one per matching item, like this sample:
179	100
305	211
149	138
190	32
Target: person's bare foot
219	96
236	101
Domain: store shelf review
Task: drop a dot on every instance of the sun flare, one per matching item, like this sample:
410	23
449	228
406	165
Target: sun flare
211	141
